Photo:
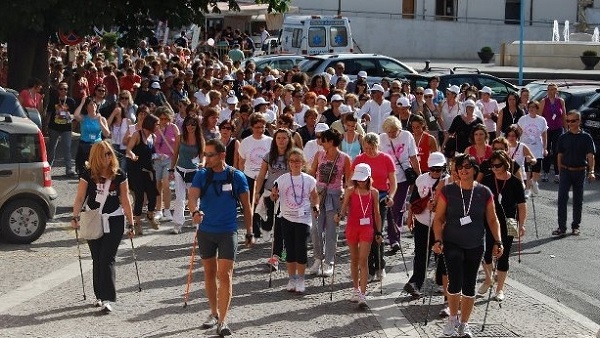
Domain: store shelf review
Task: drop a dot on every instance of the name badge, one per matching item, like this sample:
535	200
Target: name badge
227	187
553	117
92	137
431	118
465	220
365	221
499	198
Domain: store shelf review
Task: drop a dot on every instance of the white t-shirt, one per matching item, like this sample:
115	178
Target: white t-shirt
400	149
532	128
311	148
294	197
334	79
253	151
201	98
424	185
377	112
516	153
299	116
449	113
488	108
225	115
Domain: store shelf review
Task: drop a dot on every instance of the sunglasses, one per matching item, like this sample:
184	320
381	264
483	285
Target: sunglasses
101	90
62	89
572	121
428	96
225	128
419	93
210	154
295	161
464	166
436	169
497	165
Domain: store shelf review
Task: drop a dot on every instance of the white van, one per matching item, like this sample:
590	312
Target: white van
309	35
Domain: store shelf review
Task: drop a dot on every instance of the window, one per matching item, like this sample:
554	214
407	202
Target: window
392	69
297	38
445	9
4	147
512	12
338	36
27	148
317	37
368	65
498	88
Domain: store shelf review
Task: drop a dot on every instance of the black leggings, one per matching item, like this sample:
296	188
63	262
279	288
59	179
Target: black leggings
294	237
103	251
462	265
489	244
268	226
143	183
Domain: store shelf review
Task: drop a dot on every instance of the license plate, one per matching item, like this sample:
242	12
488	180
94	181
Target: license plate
592	124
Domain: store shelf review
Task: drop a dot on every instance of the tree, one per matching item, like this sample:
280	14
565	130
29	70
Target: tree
27	27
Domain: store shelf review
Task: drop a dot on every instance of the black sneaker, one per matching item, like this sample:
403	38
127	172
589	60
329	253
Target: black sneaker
223	330
559	233
410	289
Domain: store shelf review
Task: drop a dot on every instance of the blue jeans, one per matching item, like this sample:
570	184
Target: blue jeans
65	139
568	179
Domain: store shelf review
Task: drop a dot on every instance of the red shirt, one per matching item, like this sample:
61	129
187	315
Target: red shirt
127	82
381	167
112	84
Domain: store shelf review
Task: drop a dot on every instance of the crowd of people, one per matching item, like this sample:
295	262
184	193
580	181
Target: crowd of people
303	155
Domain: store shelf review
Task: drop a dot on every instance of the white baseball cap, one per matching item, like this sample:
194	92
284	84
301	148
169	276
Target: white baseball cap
403	101
428	91
232	100
469	103
259	101
322	97
436	159
362	171
454	89
337	97
269	78
362	74
321	127
227	78
486	90
155	85
377	88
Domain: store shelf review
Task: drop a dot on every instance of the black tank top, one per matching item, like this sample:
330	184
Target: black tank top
144	152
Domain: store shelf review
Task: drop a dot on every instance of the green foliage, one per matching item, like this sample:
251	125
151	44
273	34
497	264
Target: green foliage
589	53
486	49
109	39
135	18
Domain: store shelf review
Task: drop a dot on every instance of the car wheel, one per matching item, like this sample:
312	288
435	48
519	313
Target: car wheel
23	221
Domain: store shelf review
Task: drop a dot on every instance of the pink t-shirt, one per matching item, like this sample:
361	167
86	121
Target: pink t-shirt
381	166
324	169
161	143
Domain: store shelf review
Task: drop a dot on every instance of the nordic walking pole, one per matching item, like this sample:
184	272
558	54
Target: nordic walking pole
534	217
189	279
272	245
487	306
519	246
333	274
379	266
437	259
428	252
80	268
137	271
402	253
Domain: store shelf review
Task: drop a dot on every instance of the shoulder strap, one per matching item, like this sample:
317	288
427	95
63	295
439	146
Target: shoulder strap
207	182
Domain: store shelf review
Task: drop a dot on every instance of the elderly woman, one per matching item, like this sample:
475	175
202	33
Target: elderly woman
509	200
383	173
400	145
330	167
463	209
461	128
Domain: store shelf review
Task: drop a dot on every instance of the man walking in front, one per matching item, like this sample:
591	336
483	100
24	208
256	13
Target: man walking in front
575	150
220	187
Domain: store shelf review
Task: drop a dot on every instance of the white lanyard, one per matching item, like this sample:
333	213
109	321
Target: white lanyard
466	211
294	190
364	210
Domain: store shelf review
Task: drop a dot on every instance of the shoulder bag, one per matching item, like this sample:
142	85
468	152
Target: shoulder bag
409	172
90	221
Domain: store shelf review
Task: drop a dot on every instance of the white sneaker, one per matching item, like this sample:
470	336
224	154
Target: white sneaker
499	296
300	287
158	215
315	269
355	296
450	327
464	330
166	216
291	286
535	188
106	307
98	303
527	193
327	270
176	229
210	321
362	301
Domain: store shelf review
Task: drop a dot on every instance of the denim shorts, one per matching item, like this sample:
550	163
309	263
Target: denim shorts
161	167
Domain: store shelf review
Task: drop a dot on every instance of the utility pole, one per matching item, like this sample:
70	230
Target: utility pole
339	11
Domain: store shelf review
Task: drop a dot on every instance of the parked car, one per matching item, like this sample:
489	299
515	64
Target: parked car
590	120
377	66
459	75
538	85
574	96
9	104
27	198
281	62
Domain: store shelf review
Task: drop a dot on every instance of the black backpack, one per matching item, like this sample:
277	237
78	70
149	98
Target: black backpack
209	181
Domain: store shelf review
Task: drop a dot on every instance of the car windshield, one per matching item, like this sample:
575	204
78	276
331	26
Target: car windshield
309	65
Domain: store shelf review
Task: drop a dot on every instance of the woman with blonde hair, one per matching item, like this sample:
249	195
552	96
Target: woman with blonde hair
103	183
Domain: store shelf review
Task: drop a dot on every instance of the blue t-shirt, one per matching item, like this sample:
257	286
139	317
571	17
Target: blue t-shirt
90	130
218	203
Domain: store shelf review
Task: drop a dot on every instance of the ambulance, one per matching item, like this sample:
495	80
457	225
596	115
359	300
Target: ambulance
310	35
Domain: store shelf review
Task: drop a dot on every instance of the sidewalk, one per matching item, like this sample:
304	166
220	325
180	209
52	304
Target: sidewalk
52	305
